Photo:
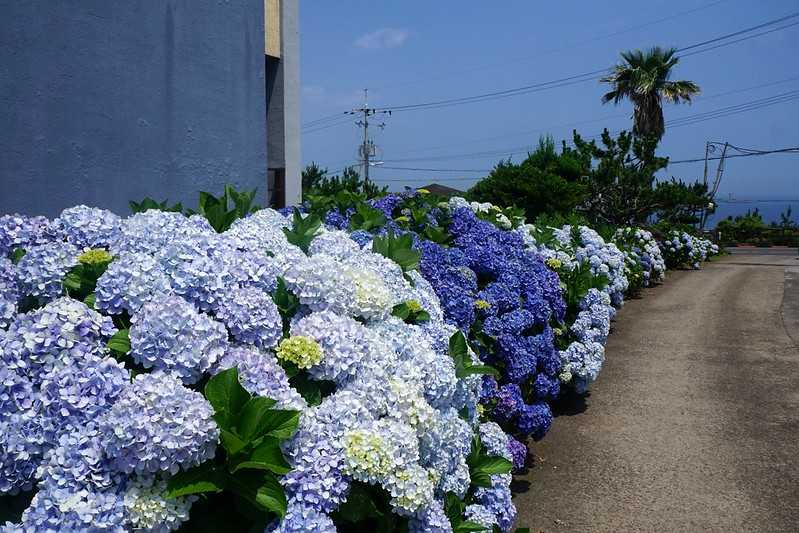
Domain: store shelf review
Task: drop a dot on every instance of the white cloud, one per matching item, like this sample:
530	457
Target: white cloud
383	38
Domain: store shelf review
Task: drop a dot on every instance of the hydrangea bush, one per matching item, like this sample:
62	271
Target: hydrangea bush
155	372
682	249
643	249
502	296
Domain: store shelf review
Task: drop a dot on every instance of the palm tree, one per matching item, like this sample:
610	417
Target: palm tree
643	78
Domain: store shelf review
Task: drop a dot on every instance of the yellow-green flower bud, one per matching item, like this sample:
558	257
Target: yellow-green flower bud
553	263
481	304
95	256
300	350
413	306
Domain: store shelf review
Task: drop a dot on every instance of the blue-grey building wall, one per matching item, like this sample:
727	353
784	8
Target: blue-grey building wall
106	101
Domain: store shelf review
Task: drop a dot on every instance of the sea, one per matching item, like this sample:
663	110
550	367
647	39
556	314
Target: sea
769	209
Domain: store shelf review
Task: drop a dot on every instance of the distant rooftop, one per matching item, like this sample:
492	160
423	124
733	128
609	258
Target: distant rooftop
442	190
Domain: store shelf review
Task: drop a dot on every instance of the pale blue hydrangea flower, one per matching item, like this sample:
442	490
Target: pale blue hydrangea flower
21	231
436	369
88	227
431	519
202	281
157	424
260	374
251	316
130	281
22	446
253	269
444	448
16	392
581	362
152	231
344	341
334	243
42	269
316	452
322	282
9	293
411	489
262	232
62	331
494	440
74	509
301	518
169	334
497	500
482	515
75	393
78	460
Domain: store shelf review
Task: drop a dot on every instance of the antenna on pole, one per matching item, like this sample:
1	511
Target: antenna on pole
367	149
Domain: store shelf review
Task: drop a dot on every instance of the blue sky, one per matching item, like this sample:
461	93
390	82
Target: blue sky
418	51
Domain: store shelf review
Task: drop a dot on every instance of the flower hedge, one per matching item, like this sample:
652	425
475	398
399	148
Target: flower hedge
373	365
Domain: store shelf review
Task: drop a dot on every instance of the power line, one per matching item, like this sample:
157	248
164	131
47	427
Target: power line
676	123
413	169
586	76
602	119
564	48
794	150
346	120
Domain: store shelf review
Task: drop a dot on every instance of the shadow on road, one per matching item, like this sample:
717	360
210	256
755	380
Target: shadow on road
570	403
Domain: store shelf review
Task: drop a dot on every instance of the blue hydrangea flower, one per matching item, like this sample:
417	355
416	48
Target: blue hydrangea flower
170	334
431	519
9	293
157	424
518	451
75	393
535	419
497	501
301	518
251	316
74	509
16	392
130	281
21	231
88	227
260	374
77	459
22	446
62	331
42	269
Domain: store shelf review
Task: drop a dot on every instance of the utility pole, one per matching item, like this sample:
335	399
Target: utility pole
367	150
710	147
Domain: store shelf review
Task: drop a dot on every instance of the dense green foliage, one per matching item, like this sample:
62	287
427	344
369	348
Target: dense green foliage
610	182
751	229
546	182
316	182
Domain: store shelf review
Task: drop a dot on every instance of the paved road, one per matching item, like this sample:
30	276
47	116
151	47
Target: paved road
694	422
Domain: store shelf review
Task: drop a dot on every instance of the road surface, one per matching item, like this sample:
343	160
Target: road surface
693	424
